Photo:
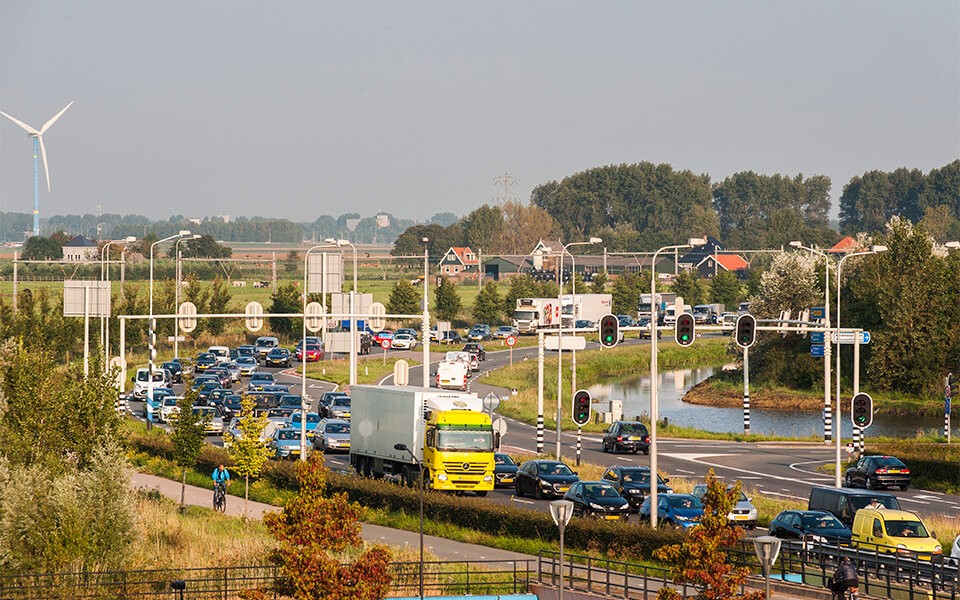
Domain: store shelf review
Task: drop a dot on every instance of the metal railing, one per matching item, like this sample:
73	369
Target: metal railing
609	577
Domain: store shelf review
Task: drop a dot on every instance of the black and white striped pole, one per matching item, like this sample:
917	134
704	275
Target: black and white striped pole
947	396
539	392
746	336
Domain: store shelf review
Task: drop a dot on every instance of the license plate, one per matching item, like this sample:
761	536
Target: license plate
633	438
507	480
563	489
893	471
739	517
612	517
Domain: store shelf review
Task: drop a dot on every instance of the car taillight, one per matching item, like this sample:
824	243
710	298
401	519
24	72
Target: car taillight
646	439
905	471
619	438
881	471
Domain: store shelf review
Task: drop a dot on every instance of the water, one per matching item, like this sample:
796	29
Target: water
635	395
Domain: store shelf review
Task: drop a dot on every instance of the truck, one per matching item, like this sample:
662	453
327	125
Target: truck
453	371
708	314
584	307
646	311
396	430
532	314
673	309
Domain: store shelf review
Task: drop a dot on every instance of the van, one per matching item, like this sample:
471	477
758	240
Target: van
141	382
264	344
898	532
844	503
221	352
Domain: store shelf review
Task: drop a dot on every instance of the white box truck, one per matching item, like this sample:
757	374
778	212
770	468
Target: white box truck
447	432
588	307
532	314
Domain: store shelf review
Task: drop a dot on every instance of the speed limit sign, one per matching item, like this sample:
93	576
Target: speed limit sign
511	341
385	344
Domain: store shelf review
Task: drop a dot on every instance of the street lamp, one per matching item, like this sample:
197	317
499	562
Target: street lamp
875	249
353	318
105	275
561	511
827	408
403	448
426	314
590	242
176	293
152	335
654	399
303	351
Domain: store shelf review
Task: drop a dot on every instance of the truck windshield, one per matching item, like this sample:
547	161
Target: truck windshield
525	315
465	441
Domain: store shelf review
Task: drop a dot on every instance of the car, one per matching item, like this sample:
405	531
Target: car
813	525
584	324
844	503
626	436
175	369
314	352
366	343
479	332
186	364
728	322
170	408
874	472
451	337
222	375
142	383
291	401
383	335
702	315
204	361
216	396
743	513
504	470
505	331
339	408
245	350
234	370
204	390
212	421
221	352
404	341
231	405
645	333
326	399
264	344
151	405
313	419
597	499
260	379
407	331
633	483
248	365
285	443
888	531
676	510
277	357
543	478
476	349
626	321
332	435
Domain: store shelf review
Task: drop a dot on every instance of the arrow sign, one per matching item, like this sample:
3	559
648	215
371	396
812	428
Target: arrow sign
816	350
849	337
816	337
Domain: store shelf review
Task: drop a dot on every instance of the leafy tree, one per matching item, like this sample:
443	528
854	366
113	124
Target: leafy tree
292	262
701	559
188	437
483	228
524	226
599	283
626	294
206	246
218	303
690	287
404	299
521	286
448	300
488	307
313	531
41	248
249	452
199	294
725	289
286	299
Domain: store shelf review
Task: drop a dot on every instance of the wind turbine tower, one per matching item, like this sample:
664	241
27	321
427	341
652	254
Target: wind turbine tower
38	151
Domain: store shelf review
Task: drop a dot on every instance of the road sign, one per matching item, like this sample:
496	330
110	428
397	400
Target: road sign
491	401
188	320
511	341
818	312
849	337
378	322
254	316
401	373
385	344
816	337
816	350
570	342
313	316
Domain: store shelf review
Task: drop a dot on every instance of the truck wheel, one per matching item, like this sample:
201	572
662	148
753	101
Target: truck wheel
482	494
406	478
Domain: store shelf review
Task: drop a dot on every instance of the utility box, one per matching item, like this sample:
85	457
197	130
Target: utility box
608	411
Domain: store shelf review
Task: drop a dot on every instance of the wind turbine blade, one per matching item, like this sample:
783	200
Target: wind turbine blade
29	129
43	153
54	119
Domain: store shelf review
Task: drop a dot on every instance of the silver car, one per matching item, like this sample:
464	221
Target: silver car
744	513
234	370
332	435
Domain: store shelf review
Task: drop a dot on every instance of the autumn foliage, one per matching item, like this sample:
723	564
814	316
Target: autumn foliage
701	558
318	537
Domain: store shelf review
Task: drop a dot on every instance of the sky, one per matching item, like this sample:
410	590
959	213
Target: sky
294	109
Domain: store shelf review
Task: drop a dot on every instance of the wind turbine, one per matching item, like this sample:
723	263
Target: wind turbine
38	151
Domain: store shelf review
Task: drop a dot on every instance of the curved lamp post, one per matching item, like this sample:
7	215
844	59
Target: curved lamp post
105	276
151	351
303	352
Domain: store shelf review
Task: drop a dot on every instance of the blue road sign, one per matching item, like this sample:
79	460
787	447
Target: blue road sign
816	350
816	337
818	312
864	337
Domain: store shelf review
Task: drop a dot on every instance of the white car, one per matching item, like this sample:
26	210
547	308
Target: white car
404	341
170	408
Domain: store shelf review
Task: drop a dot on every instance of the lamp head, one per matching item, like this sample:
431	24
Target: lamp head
330	240
595	240
185	233
878	248
796	244
953	245
425	240
130	239
697	242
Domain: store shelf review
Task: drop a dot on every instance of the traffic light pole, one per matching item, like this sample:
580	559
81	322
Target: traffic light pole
746	391
856	380
579	432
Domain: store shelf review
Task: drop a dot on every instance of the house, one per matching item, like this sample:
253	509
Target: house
80	249
457	262
712	264
695	255
847	244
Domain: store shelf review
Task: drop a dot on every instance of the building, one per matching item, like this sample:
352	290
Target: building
714	263
80	249
847	244
458	262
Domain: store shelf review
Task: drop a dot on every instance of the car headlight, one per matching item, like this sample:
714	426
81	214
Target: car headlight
546	484
937	549
633	491
596	506
679	518
753	513
442	477
625	505
487	478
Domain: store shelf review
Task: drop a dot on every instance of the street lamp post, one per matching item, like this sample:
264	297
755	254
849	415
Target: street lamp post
404	448
303	350
176	293
873	250
591	241
426	315
151	351
105	275
828	427
654	399
353	318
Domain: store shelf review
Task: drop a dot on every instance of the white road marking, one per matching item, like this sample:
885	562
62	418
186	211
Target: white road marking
766	493
515	499
699	459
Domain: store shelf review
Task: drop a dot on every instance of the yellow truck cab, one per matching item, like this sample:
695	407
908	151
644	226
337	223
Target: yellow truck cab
888	531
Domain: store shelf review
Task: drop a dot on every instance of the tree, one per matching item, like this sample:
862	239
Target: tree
626	294
41	248
488	307
404	299
292	262
524	226
448	300
599	283
313	530
725	289
690	287
286	299
701	559
521	286
218	303
205	246
483	228
248	450
188	437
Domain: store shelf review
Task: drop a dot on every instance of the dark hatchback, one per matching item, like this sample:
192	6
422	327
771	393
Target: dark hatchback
874	472
634	483
815	525
544	478
504	470
278	357
626	436
597	499
477	349
205	361
176	370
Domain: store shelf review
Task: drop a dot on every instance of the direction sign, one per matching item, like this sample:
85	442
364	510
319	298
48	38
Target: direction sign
818	312
570	342
816	350
254	317
188	319
816	337
379	321
314	317
385	344
511	341
849	337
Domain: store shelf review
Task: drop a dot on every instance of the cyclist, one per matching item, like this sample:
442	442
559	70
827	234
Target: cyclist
221	479
845	579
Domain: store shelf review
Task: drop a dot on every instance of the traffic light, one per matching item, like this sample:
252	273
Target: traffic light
746	330
581	407
609	331
686	329
862	411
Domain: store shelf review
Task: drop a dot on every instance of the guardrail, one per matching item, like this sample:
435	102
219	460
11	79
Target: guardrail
603	576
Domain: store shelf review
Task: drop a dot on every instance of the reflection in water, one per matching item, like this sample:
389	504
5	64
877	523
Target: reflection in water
635	395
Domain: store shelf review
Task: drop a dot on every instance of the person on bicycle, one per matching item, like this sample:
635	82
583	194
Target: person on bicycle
221	476
845	579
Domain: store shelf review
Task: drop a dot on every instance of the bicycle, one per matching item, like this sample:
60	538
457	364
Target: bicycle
219	496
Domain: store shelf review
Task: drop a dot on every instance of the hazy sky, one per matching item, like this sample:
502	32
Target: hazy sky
295	109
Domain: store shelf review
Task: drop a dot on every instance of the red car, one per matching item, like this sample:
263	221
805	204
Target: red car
379	336
314	353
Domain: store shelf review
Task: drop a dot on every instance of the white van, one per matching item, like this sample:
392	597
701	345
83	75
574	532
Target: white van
161	378
221	352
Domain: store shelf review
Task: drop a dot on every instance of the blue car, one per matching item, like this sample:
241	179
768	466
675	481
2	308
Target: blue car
313	419
151	406
677	510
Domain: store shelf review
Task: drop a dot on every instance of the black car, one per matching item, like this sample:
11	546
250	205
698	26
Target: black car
815	525
176	370
291	401
205	361
645	333
231	405
260	379
544	478
278	357
204	390
597	499
451	337
476	348
874	472
504	470
634	483
626	436
326	399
